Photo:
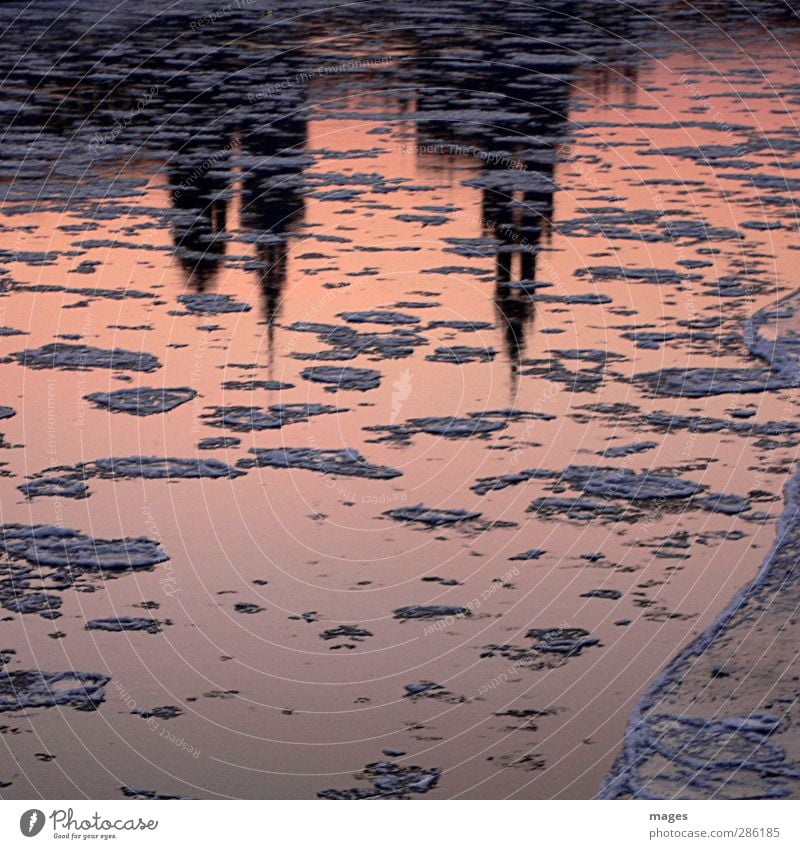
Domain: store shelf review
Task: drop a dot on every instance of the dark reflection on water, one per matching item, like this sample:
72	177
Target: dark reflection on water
203	94
272	204
533	98
255	134
198	191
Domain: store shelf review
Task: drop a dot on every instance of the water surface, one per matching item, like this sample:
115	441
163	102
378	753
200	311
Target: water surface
536	249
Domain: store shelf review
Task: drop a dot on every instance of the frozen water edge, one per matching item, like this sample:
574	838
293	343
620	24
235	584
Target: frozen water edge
720	750
760	769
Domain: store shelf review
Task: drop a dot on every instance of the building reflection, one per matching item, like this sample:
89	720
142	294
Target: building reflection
272	205
199	183
261	161
517	152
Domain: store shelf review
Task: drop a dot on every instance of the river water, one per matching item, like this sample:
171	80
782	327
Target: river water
501	265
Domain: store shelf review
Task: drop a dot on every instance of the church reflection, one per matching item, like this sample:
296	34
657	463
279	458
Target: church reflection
259	162
272	206
199	195
518	155
511	116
